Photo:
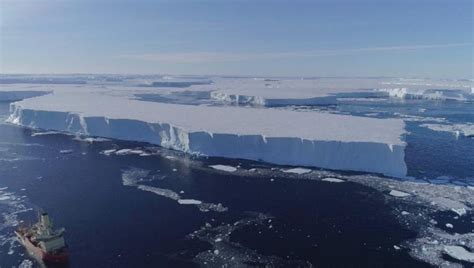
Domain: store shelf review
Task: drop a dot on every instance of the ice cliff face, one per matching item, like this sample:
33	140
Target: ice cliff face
342	155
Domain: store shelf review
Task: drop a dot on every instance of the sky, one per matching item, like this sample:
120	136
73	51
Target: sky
410	38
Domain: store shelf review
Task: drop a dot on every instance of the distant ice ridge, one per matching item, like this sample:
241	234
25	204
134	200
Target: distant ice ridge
273	92
262	101
430	94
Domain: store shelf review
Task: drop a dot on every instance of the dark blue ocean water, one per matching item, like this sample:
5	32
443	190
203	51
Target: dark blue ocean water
429	154
275	220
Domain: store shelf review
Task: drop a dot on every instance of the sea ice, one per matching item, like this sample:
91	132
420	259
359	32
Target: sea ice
457	129
224	168
189	202
336	180
134	176
397	193
459	253
298	170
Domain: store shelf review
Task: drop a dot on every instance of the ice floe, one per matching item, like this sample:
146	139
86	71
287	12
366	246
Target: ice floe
134	177
457	129
45	133
11	205
225	253
224	168
336	180
298	170
459	253
397	193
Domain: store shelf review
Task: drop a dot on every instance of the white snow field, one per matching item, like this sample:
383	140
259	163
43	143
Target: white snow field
107	107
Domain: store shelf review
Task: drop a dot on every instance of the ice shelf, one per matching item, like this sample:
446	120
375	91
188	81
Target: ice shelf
286	137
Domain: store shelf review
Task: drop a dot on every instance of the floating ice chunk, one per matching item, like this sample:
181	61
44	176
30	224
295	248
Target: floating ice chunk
129	152
336	180
108	152
459	211
459	253
133	176
90	139
405	213
224	168
26	264
5	197
66	151
189	202
123	152
449	225
457	129
397	193
298	170
162	192
396	247
46	133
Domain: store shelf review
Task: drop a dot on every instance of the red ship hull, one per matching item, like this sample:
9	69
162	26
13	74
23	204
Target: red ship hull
58	257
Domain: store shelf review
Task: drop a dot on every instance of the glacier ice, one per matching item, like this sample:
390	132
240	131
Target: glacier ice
277	136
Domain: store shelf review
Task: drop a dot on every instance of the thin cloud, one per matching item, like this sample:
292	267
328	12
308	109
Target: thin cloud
200	57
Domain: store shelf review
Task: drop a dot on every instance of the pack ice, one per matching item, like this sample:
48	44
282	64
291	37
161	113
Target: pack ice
279	136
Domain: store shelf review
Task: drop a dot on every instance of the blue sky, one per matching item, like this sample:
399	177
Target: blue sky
296	38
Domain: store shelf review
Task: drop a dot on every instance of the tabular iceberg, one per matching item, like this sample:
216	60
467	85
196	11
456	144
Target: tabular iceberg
278	136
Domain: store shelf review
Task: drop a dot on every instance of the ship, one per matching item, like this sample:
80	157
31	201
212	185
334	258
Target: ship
44	242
